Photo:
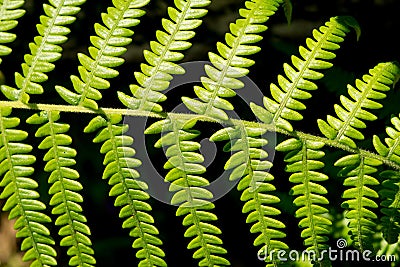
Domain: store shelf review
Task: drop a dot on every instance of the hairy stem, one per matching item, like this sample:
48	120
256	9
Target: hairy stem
204	118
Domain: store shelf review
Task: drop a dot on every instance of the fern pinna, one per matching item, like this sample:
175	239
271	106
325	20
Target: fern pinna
370	179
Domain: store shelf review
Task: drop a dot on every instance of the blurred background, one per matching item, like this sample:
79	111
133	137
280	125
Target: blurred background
379	42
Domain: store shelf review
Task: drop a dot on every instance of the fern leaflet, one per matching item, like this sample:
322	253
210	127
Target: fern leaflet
184	176
231	62
64	190
44	50
357	168
249	163
9	13
128	190
285	103
155	76
391	187
304	162
109	44
20	192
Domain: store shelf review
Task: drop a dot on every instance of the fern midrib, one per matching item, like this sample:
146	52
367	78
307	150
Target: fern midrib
17	190
394	207
229	60
204	118
143	100
63	189
126	190
307	194
359	102
100	54
190	197
359	197
308	61
36	58
258	204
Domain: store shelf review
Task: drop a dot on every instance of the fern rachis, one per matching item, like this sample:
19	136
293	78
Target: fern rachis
250	164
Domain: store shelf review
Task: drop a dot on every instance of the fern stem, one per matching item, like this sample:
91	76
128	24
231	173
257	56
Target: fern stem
204	118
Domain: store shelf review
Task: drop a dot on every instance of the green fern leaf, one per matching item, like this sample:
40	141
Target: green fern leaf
155	76
285	103
303	158
372	87
288	8
184	176
390	193
10	11
127	188
249	163
21	194
45	49
105	53
64	190
358	171
232	62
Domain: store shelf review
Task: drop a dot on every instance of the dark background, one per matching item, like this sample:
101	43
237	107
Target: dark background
379	42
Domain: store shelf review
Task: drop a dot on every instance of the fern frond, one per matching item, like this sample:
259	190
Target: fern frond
390	195
127	188
45	49
10	11
358	171
64	190
350	118
184	176
284	104
105	53
21	194
155	76
250	164
390	192
232	62
357	168
303	158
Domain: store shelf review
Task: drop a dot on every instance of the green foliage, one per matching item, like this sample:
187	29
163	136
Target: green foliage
184	176
370	180
65	187
128	190
249	163
156	74
45	49
231	63
10	11
284	105
303	160
20	192
107	47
